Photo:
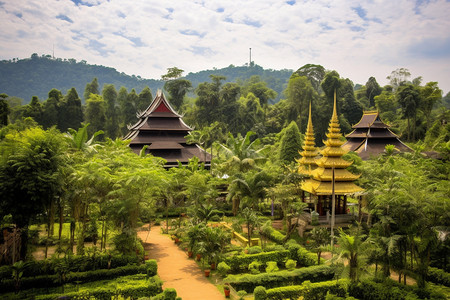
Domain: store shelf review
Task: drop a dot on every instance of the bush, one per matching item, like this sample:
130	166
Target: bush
310	290
271	266
151	288
248	282
47	281
254	267
74	264
260	293
168	294
389	289
306	258
241	262
274	235
152	267
291	264
438	276
223	268
274	247
254	250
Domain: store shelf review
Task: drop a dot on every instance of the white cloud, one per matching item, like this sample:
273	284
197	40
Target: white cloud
359	39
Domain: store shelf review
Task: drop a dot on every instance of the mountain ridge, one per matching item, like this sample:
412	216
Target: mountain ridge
37	75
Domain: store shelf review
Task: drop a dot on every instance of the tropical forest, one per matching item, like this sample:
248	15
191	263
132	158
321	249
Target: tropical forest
238	183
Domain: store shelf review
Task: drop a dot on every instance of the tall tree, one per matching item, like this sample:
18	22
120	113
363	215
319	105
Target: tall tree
51	113
398	77
176	87
409	99
112	119
91	88
351	109
291	144
259	88
34	110
314	73
122	97
4	110
95	113
144	99
31	174
430	95
70	111
372	89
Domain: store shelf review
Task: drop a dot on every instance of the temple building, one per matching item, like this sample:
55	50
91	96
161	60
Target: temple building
163	131
370	137
331	166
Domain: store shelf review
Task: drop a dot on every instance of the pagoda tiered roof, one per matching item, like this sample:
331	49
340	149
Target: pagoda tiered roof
308	155
321	179
163	131
371	135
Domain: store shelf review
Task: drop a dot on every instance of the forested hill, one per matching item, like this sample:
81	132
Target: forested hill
37	75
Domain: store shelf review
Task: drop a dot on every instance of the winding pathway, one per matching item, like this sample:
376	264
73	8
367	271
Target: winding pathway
176	269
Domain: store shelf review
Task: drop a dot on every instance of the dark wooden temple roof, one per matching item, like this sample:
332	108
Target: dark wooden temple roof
370	137
163	131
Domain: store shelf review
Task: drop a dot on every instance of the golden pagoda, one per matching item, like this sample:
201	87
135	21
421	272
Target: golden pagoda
307	163
321	181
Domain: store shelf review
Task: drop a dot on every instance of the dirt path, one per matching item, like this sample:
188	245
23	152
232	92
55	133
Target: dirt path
176	270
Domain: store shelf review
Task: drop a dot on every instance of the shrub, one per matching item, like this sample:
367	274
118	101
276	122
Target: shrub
274	247
241	262
254	250
309	290
260	293
254	267
248	282
271	266
274	235
223	268
167	294
152	267
291	264
306	258
438	276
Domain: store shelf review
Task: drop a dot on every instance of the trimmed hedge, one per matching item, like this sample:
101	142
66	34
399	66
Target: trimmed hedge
438	276
241	262
249	282
47	281
389	289
151	288
74	264
311	291
275	236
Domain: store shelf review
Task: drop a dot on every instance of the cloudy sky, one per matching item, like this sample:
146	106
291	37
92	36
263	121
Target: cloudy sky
358	39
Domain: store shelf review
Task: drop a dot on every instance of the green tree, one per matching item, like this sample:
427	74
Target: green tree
144	99
176	87
351	109
291	144
314	73
95	113
4	110
373	89
408	96
31	173
111	113
71	113
34	110
91	88
259	88
398	77
430	95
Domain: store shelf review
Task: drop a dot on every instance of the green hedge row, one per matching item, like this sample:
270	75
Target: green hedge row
389	289
249	282
438	276
275	236
73	264
308	290
241	262
47	281
151	288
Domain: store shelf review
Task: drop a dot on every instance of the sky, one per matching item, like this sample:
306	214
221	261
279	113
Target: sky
358	39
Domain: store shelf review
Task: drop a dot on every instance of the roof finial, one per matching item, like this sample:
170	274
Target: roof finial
334	107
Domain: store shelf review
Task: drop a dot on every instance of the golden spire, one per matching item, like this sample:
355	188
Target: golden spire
309	153
320	183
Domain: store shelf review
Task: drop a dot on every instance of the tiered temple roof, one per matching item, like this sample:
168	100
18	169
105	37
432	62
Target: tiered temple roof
370	137
320	182
307	162
162	129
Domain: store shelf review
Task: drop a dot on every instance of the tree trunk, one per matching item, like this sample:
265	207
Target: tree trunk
61	219
23	243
